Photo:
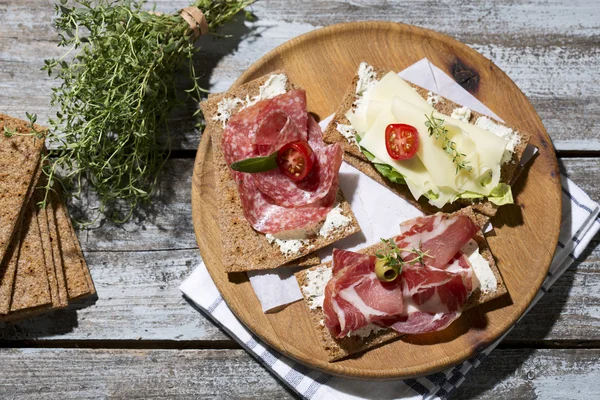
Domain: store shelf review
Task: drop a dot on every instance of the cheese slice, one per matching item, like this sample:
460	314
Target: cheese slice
374	100
413	169
483	151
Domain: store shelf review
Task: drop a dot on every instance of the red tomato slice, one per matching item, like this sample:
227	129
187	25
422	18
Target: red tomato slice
401	141
296	159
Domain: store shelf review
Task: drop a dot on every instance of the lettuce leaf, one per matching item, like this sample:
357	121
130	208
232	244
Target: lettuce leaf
384	169
501	194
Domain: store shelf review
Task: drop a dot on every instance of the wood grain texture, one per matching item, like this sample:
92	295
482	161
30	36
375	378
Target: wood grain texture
226	374
125	374
549	49
523	238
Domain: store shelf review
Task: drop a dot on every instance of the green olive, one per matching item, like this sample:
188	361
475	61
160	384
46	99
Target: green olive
385	272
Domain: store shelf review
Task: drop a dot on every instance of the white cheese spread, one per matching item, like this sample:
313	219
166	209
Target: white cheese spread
366	78
365	331
462	114
289	247
433	99
314	290
274	86
501	131
335	221
348	132
484	277
224	109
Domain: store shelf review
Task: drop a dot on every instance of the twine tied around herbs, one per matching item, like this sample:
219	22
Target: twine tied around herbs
195	19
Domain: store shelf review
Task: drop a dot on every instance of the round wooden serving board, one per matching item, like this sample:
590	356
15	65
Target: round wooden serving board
324	62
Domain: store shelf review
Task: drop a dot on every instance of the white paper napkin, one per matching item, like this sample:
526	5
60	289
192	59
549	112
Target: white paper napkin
276	288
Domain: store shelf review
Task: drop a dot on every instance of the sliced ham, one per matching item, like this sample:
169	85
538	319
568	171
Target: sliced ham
272	202
354	297
426	297
440	235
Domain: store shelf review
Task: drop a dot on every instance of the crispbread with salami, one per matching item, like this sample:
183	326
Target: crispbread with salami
244	248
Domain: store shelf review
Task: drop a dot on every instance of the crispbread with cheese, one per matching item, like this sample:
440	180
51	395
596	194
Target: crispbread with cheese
444	106
245	249
341	348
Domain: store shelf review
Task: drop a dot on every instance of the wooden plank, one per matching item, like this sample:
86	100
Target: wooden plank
138	298
535	374
549	50
219	374
124	374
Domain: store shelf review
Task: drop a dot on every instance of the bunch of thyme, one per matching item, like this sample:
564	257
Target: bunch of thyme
435	127
117	89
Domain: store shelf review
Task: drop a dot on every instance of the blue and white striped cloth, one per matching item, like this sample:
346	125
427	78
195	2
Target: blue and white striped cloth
580	223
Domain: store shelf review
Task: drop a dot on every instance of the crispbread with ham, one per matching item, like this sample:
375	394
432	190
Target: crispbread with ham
243	209
389	297
356	158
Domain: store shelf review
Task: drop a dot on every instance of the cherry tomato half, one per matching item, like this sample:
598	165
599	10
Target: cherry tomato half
401	141
296	159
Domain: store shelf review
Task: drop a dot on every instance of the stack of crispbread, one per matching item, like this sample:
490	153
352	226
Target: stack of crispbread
42	266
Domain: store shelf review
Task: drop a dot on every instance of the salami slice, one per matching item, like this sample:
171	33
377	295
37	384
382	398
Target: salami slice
267	217
272	202
324	175
237	141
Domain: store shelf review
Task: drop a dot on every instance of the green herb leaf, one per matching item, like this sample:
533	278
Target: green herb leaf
256	164
436	128
392	255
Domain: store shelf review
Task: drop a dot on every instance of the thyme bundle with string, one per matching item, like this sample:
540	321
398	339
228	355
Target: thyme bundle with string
118	88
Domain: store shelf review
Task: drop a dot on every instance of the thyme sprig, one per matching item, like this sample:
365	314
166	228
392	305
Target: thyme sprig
33	131
392	255
117	88
436	128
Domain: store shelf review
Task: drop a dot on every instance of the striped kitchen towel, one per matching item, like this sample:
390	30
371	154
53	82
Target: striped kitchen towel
580	223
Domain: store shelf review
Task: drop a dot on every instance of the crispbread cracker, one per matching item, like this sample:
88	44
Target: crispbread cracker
58	300
19	158
8	269
355	157
245	249
77	275
338	349
56	254
30	288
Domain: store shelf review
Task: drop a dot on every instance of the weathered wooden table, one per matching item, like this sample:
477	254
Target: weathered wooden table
142	339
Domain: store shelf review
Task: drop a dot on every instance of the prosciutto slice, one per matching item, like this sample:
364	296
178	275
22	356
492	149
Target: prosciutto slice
354	297
426	297
272	202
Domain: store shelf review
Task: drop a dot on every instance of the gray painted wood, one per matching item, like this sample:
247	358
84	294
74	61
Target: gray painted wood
549	49
223	374
142	374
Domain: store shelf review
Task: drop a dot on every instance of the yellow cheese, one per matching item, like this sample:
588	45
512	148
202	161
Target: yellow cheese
371	103
482	151
413	169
